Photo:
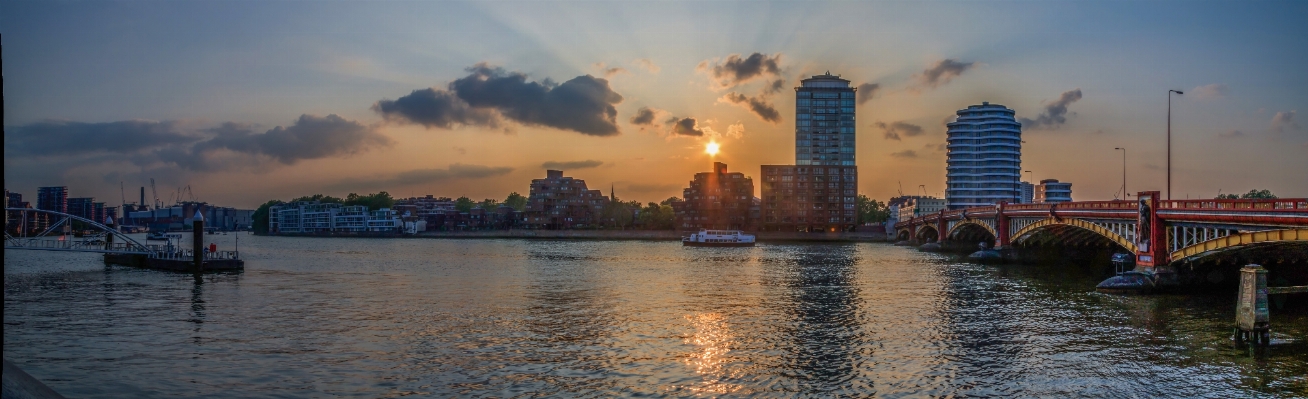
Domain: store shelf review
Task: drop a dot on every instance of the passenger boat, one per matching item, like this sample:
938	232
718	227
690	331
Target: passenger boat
718	238
156	235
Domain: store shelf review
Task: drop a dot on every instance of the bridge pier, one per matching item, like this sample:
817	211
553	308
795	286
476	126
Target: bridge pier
197	242
1251	315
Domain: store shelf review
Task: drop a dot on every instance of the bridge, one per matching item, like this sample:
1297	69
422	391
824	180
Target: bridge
1159	232
42	230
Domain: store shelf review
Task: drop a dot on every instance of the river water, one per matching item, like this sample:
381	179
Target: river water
320	317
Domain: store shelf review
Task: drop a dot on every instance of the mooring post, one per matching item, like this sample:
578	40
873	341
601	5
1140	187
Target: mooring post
1251	316
197	242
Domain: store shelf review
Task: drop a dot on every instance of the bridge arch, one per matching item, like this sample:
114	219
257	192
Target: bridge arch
972	230
1050	223
903	234
927	233
1241	240
125	243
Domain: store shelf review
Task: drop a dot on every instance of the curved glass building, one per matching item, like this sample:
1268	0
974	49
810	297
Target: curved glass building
984	163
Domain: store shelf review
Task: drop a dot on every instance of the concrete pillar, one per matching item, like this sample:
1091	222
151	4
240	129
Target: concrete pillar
197	242
1251	316
1001	227
1151	236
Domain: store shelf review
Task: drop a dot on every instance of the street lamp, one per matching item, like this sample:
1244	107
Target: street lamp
1124	194
1169	141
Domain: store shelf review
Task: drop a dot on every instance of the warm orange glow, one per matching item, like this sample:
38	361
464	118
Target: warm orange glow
711	148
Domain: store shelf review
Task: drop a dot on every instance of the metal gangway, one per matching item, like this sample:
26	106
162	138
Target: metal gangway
48	232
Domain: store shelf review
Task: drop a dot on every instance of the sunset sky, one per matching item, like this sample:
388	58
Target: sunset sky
251	101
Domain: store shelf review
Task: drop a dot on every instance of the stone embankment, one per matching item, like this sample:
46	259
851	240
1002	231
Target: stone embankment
652	235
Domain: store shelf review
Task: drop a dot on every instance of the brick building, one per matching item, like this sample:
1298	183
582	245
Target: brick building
559	202
716	200
809	198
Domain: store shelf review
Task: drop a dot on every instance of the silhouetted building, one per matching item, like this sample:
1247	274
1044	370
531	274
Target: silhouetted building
559	202
83	207
1028	192
716	200
52	199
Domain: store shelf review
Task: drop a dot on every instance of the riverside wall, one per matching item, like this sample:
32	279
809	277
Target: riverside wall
651	235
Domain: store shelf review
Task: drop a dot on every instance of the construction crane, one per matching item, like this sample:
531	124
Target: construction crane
155	192
901	188
923	186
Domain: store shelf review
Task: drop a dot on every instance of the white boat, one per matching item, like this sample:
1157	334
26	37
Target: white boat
718	238
156	235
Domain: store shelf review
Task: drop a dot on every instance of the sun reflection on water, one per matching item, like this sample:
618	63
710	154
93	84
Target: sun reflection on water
713	340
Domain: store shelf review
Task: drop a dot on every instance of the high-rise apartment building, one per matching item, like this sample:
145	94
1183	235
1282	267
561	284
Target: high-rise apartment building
824	121
1028	192
561	202
1051	191
52	199
984	162
83	207
716	200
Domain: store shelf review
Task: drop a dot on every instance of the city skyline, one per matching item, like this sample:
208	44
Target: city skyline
274	101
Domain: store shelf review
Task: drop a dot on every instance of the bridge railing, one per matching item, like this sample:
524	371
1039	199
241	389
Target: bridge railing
186	254
1279	204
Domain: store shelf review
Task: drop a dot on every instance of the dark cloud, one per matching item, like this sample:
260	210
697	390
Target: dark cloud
686	127
423	176
566	165
644	116
61	138
942	72
867	92
758	105
895	130
435	108
584	104
775	87
736	70
1284	120
904	154
310	137
1055	112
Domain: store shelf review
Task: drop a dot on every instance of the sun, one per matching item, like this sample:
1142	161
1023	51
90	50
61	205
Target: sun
711	148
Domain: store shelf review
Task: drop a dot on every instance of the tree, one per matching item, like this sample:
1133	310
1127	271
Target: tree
489	204
463	204
871	210
1252	194
260	217
670	200
326	199
516	201
617	214
656	217
372	201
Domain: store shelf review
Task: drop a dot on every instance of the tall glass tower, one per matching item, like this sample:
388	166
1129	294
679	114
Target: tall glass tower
824	121
984	164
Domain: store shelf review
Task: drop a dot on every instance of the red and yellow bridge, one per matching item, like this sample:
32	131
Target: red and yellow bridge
1159	232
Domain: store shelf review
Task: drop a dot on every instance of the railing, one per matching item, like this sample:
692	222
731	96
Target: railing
187	254
1279	204
50	244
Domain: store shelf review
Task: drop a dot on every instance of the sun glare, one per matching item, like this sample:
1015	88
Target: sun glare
711	148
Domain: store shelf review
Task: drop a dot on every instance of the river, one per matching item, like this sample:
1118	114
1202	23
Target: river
317	317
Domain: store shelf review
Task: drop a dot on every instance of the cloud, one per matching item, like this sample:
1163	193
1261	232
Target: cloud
942	72
1055	112
775	87
644	116
646	64
940	147
423	176
736	130
686	127
1284	120
904	154
609	72
584	104
1233	134
1211	91
735	70
896	130
310	137
566	165
460	150
758	105
62	138
867	92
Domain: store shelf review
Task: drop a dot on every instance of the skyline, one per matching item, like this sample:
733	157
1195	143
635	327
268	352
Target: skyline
236	100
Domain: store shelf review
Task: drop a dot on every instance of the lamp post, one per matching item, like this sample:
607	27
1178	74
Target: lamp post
1169	141
1124	194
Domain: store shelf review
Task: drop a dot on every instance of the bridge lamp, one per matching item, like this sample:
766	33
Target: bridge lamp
1124	194
1169	141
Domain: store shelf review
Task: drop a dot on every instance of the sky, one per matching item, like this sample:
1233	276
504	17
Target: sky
249	101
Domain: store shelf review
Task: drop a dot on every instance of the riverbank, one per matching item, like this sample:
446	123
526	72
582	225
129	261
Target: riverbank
651	235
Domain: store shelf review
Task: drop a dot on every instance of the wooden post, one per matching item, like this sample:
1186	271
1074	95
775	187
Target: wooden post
197	242
1251	316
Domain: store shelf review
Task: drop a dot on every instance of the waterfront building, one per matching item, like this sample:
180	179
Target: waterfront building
314	217
984	160
561	202
1028	193
824	121
83	207
918	206
808	198
819	191
52	199
716	200
1052	191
